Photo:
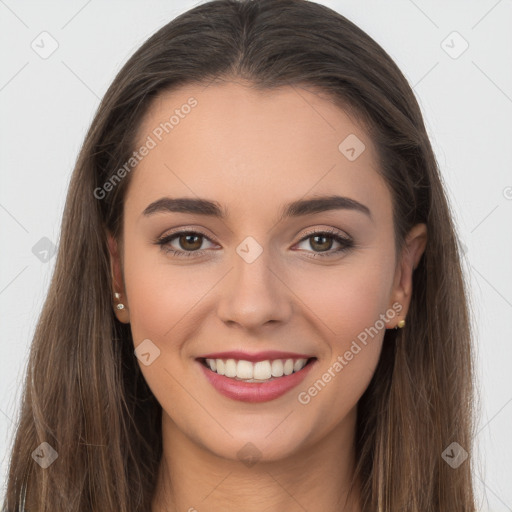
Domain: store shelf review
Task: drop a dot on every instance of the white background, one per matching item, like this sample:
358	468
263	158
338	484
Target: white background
47	106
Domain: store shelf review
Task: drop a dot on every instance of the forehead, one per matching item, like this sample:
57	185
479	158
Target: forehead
239	144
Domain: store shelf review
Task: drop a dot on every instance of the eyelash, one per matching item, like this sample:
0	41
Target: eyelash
346	243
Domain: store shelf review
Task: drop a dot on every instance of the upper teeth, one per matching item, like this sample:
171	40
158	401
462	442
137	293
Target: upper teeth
262	370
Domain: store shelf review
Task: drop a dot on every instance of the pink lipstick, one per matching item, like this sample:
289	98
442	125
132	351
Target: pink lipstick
258	377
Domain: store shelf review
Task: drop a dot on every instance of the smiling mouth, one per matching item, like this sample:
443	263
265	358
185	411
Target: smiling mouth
257	372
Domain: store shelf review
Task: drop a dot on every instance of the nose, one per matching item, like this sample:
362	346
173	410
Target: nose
255	294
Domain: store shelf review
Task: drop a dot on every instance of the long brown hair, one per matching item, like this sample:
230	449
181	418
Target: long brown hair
84	392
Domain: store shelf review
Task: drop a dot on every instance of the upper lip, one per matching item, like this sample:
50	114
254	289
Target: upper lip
255	357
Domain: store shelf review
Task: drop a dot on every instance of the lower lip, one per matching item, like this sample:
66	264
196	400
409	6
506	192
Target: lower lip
253	391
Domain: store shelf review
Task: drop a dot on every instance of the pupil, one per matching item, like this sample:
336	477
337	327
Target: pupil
187	240
321	243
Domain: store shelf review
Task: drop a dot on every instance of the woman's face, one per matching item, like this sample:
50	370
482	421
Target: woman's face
253	276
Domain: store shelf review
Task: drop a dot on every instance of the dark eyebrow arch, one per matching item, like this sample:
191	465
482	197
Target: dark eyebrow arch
298	208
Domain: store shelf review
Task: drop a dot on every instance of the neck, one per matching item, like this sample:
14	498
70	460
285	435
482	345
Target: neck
318	477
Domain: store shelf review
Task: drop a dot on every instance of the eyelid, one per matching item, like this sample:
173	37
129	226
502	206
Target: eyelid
185	229
329	230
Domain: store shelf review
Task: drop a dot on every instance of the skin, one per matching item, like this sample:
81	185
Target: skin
252	152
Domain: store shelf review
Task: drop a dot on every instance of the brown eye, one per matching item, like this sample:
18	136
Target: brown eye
190	241
321	242
183	243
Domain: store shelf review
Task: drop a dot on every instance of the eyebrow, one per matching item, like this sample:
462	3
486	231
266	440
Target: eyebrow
298	208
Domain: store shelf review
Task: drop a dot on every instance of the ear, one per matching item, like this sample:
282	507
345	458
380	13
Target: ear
414	247
123	315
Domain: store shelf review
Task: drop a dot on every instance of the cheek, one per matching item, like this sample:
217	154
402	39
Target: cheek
349	301
160	294
349	298
329	397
